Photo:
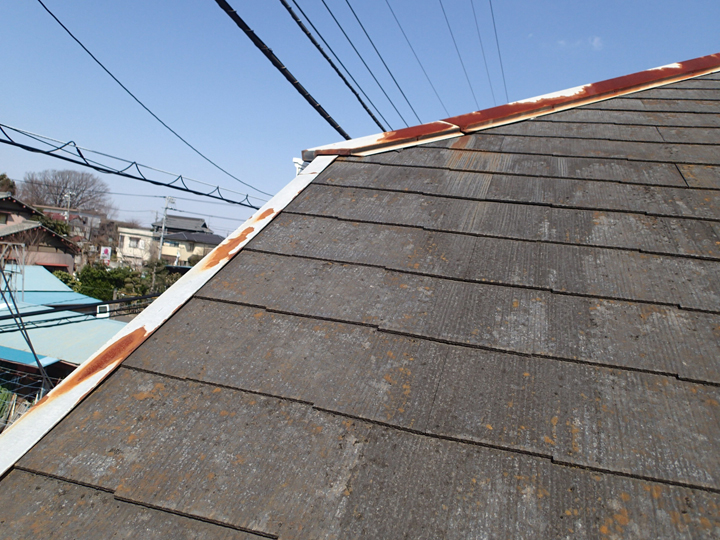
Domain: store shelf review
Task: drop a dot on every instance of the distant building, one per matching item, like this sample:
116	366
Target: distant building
185	237
179	247
135	246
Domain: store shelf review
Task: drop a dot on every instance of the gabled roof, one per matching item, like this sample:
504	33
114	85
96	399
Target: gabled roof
510	333
183	223
8	232
197	237
9	202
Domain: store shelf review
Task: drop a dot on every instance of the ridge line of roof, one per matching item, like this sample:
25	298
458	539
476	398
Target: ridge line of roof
516	111
42	417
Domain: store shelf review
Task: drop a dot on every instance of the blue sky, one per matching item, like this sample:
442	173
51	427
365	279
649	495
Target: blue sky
190	64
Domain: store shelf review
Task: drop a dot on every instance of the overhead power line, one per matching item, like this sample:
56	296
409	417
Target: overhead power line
416	57
458	53
329	61
364	63
179	183
383	60
377	110
275	61
47	384
146	108
497	42
487	70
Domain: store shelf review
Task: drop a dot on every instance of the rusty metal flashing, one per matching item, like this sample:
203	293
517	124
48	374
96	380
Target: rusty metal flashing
525	109
40	419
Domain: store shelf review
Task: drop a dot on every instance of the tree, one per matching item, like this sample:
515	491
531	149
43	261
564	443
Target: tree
68	279
56	226
7	185
81	190
97	281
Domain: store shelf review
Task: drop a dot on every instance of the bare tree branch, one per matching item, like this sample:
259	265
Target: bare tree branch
84	190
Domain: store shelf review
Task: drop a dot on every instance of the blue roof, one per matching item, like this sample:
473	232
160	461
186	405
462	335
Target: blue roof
25	357
61	335
43	288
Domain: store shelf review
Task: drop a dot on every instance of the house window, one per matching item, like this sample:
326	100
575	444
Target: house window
3	219
172	244
133	242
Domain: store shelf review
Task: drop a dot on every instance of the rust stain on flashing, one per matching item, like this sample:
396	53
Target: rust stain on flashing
589	93
530	108
417	133
111	356
224	252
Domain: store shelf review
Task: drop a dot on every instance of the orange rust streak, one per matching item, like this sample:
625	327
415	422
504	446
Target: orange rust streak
515	111
416	132
591	92
222	252
267	213
113	354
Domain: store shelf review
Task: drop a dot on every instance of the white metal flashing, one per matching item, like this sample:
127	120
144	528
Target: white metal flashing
40	419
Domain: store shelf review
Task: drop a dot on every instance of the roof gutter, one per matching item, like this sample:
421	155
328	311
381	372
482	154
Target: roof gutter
457	126
41	418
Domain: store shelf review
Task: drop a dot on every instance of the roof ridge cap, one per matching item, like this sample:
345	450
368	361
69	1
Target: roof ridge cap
516	111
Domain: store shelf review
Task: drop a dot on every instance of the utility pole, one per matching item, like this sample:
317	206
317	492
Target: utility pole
169	202
67	197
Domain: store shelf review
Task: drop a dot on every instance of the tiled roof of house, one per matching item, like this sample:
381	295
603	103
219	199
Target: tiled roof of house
506	334
197	237
182	223
8	233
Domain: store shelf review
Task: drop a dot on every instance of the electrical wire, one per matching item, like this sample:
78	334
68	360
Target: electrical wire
364	63
205	215
146	108
275	61
497	42
20	326
416	57
458	53
83	161
329	61
383	60
69	319
54	308
377	110
139	195
487	70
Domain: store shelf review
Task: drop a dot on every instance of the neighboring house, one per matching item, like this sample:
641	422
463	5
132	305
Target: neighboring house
179	247
43	247
13	211
501	325
135	246
184	237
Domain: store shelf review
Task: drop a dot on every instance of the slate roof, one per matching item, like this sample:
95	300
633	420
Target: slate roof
507	334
